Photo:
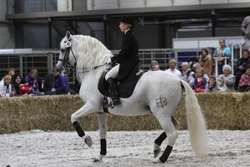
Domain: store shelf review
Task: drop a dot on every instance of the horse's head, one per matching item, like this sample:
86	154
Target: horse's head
66	53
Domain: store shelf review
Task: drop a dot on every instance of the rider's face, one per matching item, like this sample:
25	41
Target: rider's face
123	26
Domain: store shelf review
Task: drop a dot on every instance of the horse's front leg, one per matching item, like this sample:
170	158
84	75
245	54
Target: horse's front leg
102	120
83	111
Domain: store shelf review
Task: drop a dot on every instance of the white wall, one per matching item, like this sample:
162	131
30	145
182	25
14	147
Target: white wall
6	29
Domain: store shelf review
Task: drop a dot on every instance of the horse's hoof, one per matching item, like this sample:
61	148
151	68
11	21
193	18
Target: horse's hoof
88	141
157	152
157	161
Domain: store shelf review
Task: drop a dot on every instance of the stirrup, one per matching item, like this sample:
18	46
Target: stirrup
113	103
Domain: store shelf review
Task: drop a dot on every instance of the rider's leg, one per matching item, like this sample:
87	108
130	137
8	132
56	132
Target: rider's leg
113	73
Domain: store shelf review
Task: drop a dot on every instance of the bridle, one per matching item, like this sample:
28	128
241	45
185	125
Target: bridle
68	67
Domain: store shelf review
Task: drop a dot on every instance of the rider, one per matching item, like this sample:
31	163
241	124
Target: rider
127	58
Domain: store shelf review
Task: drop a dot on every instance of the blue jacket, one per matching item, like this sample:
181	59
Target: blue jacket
61	84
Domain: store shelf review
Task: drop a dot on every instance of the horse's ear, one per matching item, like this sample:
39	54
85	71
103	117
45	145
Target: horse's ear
68	35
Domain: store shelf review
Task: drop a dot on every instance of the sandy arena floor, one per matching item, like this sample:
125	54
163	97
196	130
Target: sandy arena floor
125	149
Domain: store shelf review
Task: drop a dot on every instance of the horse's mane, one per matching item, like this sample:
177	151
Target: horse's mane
90	52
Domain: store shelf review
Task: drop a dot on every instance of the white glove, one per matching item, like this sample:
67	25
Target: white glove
109	61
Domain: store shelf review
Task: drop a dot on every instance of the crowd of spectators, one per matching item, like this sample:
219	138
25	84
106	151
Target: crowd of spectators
202	76
13	84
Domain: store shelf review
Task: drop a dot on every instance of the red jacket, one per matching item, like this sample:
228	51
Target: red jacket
24	89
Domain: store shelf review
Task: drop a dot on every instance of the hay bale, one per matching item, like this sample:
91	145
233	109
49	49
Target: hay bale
221	110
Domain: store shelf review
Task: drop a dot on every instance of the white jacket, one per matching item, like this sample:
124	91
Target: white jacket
3	89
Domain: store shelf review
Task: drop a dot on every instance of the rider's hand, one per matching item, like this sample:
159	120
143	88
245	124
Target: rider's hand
109	61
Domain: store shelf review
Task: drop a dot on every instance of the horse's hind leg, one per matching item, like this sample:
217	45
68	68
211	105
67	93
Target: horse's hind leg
162	137
172	134
102	120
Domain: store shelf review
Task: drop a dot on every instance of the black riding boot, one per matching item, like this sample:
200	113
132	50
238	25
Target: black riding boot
113	92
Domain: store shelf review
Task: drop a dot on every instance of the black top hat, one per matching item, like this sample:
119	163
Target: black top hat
128	20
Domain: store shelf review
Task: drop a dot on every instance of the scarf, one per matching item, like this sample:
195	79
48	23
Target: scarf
203	59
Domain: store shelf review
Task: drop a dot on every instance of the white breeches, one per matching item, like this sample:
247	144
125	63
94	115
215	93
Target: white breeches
113	73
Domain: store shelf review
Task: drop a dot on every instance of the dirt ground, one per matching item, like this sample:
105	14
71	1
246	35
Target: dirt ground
37	148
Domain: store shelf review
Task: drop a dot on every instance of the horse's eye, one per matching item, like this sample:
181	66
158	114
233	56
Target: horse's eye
65	41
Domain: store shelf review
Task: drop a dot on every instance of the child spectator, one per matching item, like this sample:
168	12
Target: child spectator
17	81
33	81
24	88
244	84
6	88
199	81
212	85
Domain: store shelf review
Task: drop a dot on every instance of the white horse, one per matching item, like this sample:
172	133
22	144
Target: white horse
156	93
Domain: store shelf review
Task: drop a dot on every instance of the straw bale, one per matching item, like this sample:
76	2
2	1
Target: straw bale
221	111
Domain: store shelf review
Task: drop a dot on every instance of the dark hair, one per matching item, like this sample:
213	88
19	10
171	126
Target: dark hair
246	50
248	66
205	49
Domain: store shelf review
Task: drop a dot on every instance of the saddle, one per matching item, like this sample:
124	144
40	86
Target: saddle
124	88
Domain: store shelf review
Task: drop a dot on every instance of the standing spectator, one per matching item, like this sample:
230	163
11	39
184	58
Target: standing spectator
244	84
226	80
33	81
152	65
6	88
240	67
17	81
206	63
222	51
199	81
187	74
212	85
172	69
245	28
60	84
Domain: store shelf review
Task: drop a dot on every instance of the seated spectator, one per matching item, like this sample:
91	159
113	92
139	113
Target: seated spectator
212	85
6	88
226	80
222	51
244	83
172	68
60	84
49	82
33	81
25	89
187	75
156	68
152	65
199	81
240	66
11	72
206	63
17	81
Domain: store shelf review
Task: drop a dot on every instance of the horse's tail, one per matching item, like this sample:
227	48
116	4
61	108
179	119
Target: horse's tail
196	123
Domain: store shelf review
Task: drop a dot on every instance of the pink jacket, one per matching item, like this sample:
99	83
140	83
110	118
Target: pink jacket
244	80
